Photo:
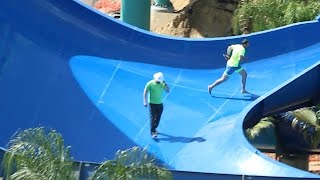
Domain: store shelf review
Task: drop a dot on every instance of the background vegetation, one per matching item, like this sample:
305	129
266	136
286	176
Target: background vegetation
305	122
39	154
258	15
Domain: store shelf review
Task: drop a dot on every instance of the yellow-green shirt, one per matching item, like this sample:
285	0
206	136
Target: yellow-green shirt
237	51
155	91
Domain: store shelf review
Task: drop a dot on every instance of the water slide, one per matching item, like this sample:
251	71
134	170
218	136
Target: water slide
67	67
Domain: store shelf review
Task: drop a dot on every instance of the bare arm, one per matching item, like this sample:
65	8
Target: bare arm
229	53
229	50
145	93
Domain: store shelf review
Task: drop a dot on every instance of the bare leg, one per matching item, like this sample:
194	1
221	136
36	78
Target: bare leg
243	74
222	79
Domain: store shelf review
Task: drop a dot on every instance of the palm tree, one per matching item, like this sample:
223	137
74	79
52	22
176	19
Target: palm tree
265	123
265	132
134	163
307	121
304	121
304	124
35	154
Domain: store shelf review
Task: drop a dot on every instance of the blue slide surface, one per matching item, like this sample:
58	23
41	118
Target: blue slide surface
68	67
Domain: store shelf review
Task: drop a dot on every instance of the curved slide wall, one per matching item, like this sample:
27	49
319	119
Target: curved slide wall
67	67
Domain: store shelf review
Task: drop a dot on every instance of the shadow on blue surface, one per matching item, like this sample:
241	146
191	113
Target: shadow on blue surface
68	67
245	97
172	139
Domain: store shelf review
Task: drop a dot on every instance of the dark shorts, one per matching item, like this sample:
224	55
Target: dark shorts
229	70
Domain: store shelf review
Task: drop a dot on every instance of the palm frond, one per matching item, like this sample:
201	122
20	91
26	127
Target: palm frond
306	115
307	123
26	174
264	123
133	163
33	152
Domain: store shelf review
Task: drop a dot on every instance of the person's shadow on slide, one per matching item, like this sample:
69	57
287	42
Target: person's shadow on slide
173	139
244	97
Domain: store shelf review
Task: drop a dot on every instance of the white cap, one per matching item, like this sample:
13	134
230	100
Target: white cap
158	77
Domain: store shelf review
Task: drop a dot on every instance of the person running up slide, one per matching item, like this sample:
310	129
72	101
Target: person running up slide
235	53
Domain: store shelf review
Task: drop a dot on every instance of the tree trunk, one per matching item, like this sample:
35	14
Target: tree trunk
300	161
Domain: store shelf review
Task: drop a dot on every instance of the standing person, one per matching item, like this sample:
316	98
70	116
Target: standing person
155	89
235	53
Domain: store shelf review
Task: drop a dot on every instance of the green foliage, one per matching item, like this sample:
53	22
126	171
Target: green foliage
34	154
134	163
306	115
258	128
310	119
37	155
258	15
